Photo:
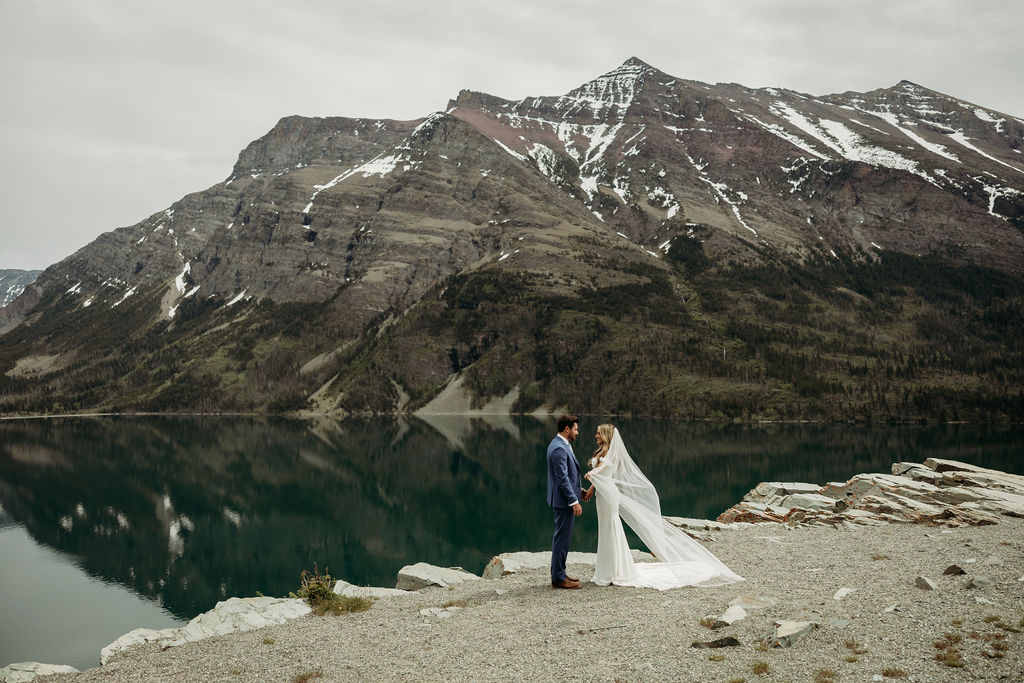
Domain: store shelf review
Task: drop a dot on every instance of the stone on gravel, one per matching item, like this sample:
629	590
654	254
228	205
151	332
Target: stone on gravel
21	672
953	570
753	602
730	616
978	582
925	583
420	575
789	632
728	641
348	590
842	593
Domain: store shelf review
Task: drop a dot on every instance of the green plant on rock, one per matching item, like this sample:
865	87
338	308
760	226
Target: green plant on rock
318	591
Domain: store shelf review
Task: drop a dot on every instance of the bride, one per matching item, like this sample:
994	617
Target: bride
623	491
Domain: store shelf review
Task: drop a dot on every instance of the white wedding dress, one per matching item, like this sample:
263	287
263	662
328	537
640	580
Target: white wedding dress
624	493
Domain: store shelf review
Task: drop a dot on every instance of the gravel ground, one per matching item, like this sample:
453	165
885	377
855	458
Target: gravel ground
519	628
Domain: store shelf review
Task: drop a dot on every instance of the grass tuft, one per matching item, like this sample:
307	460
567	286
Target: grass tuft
760	667
318	591
877	557
307	676
855	647
708	622
268	641
825	676
717	658
852	658
894	673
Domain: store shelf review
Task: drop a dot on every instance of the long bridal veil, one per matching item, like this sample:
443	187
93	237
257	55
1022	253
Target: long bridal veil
688	561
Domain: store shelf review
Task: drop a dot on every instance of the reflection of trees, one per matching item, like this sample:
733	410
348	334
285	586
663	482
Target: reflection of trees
194	510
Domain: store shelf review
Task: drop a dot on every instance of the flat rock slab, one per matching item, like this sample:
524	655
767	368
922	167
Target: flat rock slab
842	593
925	583
228	616
753	602
420	575
21	672
789	632
346	589
730	616
978	582
510	563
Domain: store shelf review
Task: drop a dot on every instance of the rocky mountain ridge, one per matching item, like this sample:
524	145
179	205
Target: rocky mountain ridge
344	235
13	283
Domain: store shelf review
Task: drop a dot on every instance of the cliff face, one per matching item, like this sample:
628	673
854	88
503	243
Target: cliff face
683	237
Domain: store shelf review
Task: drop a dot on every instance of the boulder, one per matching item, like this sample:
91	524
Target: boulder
28	671
421	575
731	615
789	632
346	589
228	616
510	563
767	490
925	583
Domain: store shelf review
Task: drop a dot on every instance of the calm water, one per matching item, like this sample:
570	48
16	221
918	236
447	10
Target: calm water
108	524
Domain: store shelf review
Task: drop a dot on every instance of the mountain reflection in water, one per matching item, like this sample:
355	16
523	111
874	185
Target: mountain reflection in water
189	511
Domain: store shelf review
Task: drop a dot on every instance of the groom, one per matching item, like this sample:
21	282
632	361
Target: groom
564	495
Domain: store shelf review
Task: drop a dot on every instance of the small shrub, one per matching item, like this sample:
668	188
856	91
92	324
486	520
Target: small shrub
991	618
708	622
307	676
950	658
717	658
318	591
737	680
852	658
455	603
877	557
958	622
268	641
825	676
855	647
760	667
894	673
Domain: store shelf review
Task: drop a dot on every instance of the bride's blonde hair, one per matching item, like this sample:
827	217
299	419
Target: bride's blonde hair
607	431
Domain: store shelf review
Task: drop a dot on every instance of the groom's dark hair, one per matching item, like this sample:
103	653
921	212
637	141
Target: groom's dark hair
567	421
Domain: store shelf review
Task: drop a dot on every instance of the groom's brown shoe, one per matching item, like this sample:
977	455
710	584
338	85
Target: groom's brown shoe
565	583
572	578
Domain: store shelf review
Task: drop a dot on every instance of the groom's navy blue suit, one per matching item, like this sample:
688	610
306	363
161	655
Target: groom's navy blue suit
564	489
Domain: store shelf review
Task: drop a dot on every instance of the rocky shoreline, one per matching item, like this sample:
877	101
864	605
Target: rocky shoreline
915	575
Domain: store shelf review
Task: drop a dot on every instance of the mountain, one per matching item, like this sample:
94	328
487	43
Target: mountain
643	244
13	283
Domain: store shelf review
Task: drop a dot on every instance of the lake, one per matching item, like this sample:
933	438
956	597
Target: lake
112	523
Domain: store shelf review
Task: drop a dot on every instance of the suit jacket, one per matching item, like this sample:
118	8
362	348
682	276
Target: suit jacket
563	475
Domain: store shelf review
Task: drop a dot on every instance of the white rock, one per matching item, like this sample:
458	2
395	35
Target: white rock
1021	578
788	632
730	616
421	575
753	602
842	593
346	589
27	671
925	583
229	616
891	608
776	489
984	601
510	563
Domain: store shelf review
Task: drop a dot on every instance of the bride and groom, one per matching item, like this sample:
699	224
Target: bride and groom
623	493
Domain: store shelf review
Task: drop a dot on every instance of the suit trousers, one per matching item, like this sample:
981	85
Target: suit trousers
564	521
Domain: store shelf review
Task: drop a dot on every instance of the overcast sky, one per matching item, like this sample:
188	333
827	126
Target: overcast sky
110	110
